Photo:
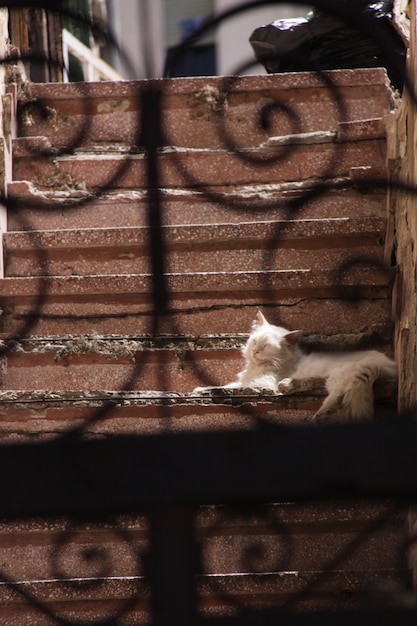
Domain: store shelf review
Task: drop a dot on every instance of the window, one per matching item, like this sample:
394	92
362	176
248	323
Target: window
182	18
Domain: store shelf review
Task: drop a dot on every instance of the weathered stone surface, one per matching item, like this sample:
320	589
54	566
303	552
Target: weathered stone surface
35	210
218	595
322	313
198	112
90	218
88	363
179	167
225	537
214	302
291	244
288	282
39	415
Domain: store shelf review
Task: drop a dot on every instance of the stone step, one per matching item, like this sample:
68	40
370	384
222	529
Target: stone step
46	414
299	537
55	384
36	210
203	112
208	247
82	362
98	600
44	603
270	538
138	363
299	591
328	301
102	172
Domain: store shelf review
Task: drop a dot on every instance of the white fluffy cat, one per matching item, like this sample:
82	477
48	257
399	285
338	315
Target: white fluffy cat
274	359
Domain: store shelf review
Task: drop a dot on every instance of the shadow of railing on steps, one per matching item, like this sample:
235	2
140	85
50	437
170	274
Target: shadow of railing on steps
174	480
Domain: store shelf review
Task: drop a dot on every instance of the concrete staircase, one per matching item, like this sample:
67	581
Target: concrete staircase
290	224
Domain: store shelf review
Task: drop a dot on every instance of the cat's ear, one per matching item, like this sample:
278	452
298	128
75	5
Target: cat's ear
260	319
292	337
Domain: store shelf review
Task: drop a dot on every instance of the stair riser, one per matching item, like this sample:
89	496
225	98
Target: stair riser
131	260
224	549
46	415
306	549
17	611
221	596
40	421
343	592
193	116
107	212
213	169
162	370
158	371
223	315
196	127
288	244
362	282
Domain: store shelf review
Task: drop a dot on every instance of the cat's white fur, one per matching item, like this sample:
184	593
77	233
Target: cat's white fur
274	359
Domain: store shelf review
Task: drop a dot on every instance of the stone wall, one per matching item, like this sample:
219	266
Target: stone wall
5	111
403	218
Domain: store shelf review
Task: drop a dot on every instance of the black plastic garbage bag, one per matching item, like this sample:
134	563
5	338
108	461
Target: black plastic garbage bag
326	42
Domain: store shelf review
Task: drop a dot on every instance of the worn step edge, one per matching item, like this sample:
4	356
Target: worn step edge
121	346
24	189
362	77
217	395
346	131
355	130
32	209
210	168
41	148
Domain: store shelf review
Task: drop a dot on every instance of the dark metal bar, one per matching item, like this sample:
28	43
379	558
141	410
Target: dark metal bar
385	616
151	138
70	476
173	566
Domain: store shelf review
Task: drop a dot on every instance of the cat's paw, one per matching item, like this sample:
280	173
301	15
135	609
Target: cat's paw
321	416
285	385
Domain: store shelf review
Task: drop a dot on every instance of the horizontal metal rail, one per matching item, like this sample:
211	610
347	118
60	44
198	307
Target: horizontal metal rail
269	464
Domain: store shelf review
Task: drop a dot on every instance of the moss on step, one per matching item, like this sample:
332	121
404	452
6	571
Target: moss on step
119	346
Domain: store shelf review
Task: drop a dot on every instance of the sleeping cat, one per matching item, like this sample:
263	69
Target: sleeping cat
274	359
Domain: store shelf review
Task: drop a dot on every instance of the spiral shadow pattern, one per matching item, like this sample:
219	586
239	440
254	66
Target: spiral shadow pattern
78	560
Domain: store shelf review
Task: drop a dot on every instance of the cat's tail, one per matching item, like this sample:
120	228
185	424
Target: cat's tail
352	386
